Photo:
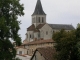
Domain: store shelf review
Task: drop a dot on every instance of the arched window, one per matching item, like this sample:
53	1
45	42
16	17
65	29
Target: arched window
34	21
46	32
39	35
39	19
30	35
42	19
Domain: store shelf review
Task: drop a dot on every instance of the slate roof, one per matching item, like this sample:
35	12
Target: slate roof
46	52
62	26
38	9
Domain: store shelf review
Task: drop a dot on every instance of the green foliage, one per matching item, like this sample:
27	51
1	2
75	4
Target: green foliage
78	25
9	27
67	46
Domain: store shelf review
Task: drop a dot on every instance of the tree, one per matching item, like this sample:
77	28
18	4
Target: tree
9	27
66	45
78	38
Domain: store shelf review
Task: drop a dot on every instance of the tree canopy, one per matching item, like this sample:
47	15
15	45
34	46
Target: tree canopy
9	27
67	44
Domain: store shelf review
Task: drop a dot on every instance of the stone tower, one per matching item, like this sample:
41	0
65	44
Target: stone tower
38	16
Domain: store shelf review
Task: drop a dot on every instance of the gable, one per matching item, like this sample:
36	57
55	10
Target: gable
46	26
35	29
31	28
46	53
40	26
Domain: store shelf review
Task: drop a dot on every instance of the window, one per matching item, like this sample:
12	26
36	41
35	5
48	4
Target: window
42	19
30	36
39	35
41	54
33	20
39	19
27	52
20	52
53	31
46	33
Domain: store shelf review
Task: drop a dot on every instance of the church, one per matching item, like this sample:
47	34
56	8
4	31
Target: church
40	29
39	33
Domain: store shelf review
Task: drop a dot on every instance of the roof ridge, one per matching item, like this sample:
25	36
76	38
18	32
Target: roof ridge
62	24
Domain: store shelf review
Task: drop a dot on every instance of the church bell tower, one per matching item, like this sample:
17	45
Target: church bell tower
38	16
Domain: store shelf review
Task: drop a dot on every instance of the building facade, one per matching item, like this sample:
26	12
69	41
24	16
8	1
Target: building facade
39	33
46	53
40	29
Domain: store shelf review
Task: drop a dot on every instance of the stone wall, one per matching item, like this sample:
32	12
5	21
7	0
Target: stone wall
46	32
32	48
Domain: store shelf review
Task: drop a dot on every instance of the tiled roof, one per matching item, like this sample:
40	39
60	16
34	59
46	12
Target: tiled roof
38	9
62	26
46	52
40	42
54	26
32	27
40	26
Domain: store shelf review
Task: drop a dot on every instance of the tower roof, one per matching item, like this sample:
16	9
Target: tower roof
38	9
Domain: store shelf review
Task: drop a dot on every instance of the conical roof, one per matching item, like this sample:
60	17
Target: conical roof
38	9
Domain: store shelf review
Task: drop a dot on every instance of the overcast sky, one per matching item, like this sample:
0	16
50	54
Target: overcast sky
58	12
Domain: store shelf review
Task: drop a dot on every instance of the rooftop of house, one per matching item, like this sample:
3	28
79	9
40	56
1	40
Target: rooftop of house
40	42
32	27
53	26
46	52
